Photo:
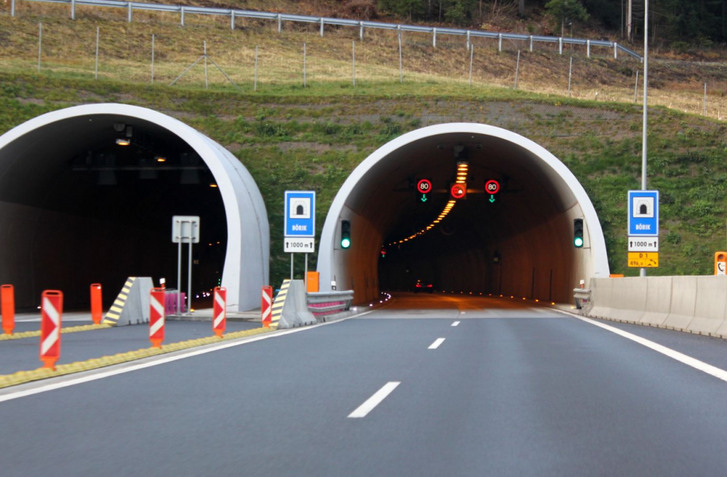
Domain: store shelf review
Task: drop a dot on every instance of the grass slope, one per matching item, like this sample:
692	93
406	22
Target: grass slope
295	137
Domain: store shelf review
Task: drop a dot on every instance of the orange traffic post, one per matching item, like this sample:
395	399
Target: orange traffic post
219	311
720	263
7	301
96	303
267	306
156	317
50	327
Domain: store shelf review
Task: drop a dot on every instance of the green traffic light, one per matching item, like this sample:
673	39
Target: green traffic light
345	242
578	242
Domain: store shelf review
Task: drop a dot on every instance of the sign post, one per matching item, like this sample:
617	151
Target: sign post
300	224
643	228
185	228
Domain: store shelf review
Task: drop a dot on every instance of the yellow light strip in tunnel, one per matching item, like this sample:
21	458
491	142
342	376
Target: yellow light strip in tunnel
462	172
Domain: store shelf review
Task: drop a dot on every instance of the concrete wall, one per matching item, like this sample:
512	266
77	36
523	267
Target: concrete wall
697	304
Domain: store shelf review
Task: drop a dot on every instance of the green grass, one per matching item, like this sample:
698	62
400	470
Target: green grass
294	137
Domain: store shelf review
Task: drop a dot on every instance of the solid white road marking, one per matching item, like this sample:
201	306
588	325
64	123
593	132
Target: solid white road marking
456	323
682	358
436	343
374	400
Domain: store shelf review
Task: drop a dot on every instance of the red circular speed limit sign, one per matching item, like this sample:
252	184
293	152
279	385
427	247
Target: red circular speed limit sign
492	186
424	186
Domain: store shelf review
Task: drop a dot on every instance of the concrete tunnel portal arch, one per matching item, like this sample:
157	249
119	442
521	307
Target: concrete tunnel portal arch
517	242
78	205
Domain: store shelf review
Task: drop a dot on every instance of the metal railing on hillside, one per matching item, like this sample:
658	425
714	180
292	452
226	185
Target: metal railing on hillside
233	14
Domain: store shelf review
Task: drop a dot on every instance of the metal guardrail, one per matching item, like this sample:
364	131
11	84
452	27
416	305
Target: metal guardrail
324	304
182	10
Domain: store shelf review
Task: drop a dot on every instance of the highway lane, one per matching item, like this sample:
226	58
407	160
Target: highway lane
508	390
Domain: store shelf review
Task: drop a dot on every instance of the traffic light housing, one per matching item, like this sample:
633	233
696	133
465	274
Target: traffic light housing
345	234
578	240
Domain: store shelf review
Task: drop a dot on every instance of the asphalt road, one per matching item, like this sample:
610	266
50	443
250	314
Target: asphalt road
455	387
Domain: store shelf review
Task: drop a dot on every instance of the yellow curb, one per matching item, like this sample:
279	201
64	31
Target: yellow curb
69	329
22	377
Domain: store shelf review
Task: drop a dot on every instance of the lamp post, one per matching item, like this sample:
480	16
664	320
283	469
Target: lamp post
646	106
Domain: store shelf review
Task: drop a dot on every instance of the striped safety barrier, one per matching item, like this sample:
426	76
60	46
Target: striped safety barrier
50	327
279	304
156	317
219	311
112	317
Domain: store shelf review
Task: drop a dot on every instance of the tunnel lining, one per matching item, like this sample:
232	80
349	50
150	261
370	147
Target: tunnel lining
246	263
334	266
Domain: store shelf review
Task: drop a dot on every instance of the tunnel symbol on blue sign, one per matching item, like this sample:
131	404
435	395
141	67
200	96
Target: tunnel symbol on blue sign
643	213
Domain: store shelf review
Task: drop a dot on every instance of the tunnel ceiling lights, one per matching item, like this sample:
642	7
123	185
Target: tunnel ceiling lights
462	173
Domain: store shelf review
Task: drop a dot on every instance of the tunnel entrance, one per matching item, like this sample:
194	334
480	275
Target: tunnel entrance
516	241
87	195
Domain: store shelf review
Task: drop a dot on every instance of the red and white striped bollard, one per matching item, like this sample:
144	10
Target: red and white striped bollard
156	317
267	306
50	327
219	311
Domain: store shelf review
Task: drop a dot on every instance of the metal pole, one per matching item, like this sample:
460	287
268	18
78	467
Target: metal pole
179	275
12	8
189	272
206	82
305	276
291	265
97	36
472	54
642	272
255	81
401	64
304	70
517	68
570	75
73	9
152	57
40	42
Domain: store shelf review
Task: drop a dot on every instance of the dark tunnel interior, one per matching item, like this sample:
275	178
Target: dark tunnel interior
81	206
517	241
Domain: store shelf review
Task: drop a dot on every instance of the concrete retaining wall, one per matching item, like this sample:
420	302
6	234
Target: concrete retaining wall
697	304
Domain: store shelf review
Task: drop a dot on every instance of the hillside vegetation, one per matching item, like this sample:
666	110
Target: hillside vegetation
295	136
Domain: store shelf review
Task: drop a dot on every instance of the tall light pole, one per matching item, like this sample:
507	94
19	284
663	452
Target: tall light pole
646	103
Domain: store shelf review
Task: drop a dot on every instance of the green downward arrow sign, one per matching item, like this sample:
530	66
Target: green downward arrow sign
492	199
424	197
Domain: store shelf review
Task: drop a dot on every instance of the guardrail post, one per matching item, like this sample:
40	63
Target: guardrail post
468	40
12	8
560	45
434	37
499	42
7	301
531	43
131	10
321	27
615	50
588	48
181	16
360	31
73	9
232	19
280	23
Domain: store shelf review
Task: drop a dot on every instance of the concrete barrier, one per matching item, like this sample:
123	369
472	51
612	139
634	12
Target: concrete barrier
697	304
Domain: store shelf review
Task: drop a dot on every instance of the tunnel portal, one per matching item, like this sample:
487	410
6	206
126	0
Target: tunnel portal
517	241
87	195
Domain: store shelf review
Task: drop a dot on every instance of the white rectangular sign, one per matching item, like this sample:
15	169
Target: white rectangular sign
643	244
185	228
299	245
